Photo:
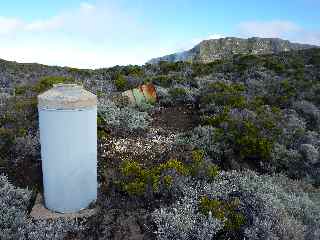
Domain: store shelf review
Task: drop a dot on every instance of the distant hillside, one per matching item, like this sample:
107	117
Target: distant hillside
211	50
13	74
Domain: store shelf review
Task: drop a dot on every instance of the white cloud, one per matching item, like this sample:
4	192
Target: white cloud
89	36
9	25
87	18
44	25
215	36
186	45
67	55
278	29
87	6
268	29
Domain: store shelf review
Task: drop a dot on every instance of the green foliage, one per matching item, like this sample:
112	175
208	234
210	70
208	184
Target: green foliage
21	90
246	61
199	165
177	92
212	172
132	70
250	144
20	117
297	63
217	119
315	59
100	94
224	211
80	72
162	80
25	104
6	139
102	131
121	82
224	94
257	102
46	83
167	180
167	67
274	65
198	155
287	93
203	69
247	138
176	165
131	168
138	179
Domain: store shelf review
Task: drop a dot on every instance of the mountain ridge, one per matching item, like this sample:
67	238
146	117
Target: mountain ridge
214	49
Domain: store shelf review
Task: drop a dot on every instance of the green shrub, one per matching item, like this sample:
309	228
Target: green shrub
199	168
224	94
175	164
224	211
297	63
274	65
121	82
6	139
217	119
162	80
315	60
132	70
46	83
167	67
249	139
177	92
250	144
80	72
246	61
137	179
102	131
203	69
256	102
21	90
212	172
167	180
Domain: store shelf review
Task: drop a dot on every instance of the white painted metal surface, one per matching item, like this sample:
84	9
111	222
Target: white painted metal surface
69	153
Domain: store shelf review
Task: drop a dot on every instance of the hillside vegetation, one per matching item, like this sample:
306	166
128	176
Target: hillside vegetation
215	49
229	151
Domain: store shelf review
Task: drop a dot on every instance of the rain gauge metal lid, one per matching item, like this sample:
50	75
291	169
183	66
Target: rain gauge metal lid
66	96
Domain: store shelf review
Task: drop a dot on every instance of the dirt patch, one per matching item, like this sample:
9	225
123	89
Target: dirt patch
177	119
26	173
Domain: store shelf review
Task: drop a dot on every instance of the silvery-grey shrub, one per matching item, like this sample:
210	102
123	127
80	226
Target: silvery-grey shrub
275	207
125	117
309	112
15	224
27	147
52	229
163	95
13	207
203	137
182	221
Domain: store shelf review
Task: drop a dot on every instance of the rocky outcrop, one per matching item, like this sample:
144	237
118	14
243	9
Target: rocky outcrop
214	49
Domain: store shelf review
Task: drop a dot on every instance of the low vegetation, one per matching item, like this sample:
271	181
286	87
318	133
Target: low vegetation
248	168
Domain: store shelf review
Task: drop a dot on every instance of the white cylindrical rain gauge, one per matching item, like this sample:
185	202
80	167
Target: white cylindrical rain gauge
68	136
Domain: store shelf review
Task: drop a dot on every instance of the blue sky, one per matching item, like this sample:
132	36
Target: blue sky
102	33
